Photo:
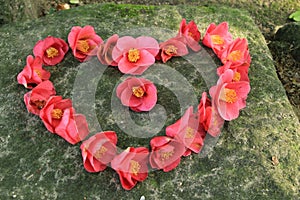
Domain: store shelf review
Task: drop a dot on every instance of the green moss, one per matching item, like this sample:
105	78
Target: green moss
128	10
240	165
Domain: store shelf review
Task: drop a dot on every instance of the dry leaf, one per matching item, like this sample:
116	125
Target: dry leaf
275	160
63	6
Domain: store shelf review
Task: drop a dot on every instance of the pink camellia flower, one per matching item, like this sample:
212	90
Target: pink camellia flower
134	56
217	37
83	42
33	73
36	99
237	53
187	130
228	96
59	117
191	34
166	153
131	165
104	52
138	93
51	50
53	112
99	150
172	47
72	128
240	72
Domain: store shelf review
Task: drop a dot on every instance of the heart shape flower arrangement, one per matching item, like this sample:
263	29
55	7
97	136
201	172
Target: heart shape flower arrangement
134	56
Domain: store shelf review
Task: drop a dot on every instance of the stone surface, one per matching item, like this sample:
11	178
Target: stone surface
20	10
36	164
286	48
289	34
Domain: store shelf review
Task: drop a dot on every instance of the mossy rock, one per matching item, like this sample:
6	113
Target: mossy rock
289	36
289	33
36	164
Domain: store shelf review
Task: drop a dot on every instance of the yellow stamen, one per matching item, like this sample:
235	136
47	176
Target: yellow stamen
216	39
189	133
56	113
236	76
38	72
171	50
138	92
134	167
83	46
133	55
197	145
52	52
192	35
235	56
39	104
100	152
229	96
166	155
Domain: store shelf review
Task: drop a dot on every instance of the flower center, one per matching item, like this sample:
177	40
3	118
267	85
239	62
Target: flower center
83	46
38	72
39	104
236	76
197	145
191	35
133	55
166	155
189	133
216	39
56	113
229	96
134	167
235	55
52	52
138	92
171	50
100	152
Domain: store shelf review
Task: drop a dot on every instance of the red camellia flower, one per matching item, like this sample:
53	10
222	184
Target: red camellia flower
134	56
59	117
36	99
166	153
228	96
138	93
52	50
209	117
83	42
33	73
191	34
53	112
187	130
99	150
205	111
217	37
104	53
172	47
72	128
237	53
240	72
131	165
216	122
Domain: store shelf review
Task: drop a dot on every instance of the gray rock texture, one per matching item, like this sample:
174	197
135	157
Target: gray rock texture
256	156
